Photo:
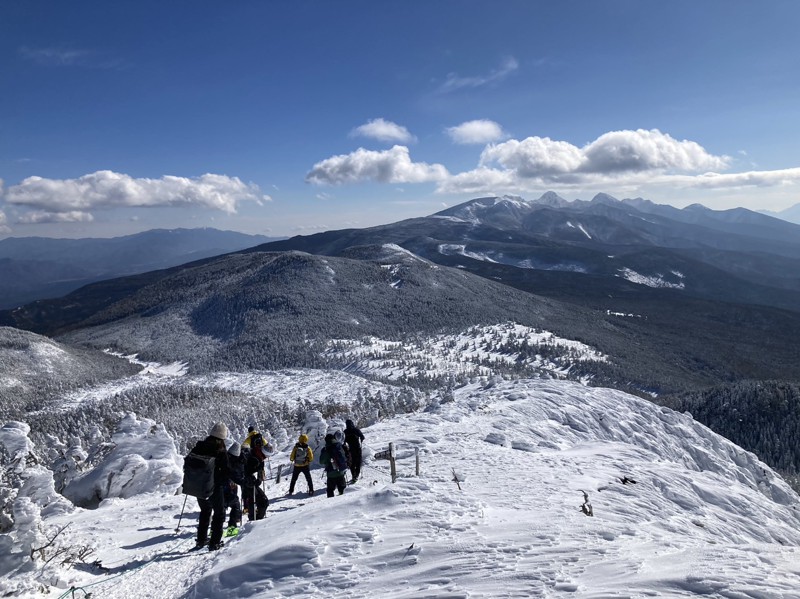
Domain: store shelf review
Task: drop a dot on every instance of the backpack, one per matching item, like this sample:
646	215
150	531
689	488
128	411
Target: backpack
198	475
300	454
257	446
338	458
253	468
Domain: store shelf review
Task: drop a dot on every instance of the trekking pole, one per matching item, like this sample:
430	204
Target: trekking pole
185	497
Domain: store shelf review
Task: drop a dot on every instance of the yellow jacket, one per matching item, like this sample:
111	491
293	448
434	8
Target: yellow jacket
309	457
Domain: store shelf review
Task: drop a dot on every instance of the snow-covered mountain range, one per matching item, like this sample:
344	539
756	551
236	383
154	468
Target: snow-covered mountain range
485	340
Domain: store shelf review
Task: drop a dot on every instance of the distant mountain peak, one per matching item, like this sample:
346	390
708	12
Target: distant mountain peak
697	208
551	198
604	198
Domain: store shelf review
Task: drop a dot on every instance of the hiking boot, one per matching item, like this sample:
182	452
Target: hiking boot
199	545
215	546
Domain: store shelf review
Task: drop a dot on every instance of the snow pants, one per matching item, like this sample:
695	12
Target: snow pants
212	505
255	502
336	482
233	504
296	472
355	463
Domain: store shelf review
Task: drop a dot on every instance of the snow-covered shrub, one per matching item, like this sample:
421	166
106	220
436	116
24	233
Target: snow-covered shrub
27	496
142	459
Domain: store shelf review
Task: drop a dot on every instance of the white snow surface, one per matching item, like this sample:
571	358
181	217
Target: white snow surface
472	353
704	517
652	281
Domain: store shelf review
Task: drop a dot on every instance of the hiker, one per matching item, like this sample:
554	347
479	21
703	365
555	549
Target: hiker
235	480
353	437
333	458
301	457
258	443
254	499
213	446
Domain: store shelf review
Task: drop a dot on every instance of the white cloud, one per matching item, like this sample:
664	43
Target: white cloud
640	150
58	57
480	131
383	130
454	82
3	227
41	216
107	189
623	159
388	166
787	176
534	157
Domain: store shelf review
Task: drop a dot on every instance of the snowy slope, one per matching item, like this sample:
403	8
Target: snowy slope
702	518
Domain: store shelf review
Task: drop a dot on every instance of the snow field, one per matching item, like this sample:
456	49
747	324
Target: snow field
703	517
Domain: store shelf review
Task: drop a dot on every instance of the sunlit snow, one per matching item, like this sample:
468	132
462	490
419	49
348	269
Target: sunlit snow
651	281
498	510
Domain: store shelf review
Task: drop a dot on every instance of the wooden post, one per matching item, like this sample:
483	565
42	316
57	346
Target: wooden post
278	479
392	462
416	456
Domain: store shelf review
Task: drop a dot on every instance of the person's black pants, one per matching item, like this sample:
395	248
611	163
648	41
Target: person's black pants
255	502
213	505
296	472
336	482
355	464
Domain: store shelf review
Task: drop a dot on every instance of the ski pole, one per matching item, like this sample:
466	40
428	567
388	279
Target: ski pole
185	497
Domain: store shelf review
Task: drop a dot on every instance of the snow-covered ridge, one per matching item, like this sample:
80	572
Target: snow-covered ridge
677	512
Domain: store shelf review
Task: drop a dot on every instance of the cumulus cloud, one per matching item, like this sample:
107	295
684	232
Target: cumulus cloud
107	189
41	216
455	82
388	166
3	227
383	130
623	159
640	150
480	131
535	157
615	152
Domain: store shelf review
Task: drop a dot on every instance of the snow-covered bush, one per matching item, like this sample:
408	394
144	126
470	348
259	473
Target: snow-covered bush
142	459
27	496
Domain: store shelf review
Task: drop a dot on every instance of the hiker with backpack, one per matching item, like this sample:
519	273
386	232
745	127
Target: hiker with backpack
257	443
206	472
301	458
235	480
334	459
353	437
254	499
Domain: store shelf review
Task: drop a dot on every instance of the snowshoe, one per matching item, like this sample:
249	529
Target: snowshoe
232	531
215	546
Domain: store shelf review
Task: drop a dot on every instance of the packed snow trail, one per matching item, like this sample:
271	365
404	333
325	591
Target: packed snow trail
703	517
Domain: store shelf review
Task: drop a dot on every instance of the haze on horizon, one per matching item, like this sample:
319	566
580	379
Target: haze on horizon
286	118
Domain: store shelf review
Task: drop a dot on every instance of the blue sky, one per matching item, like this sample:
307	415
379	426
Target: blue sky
287	117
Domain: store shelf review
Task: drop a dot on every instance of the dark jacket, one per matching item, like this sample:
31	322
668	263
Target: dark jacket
253	468
236	468
213	447
353	437
326	458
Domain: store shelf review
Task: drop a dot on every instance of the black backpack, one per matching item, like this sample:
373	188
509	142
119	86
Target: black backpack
338	458
198	475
